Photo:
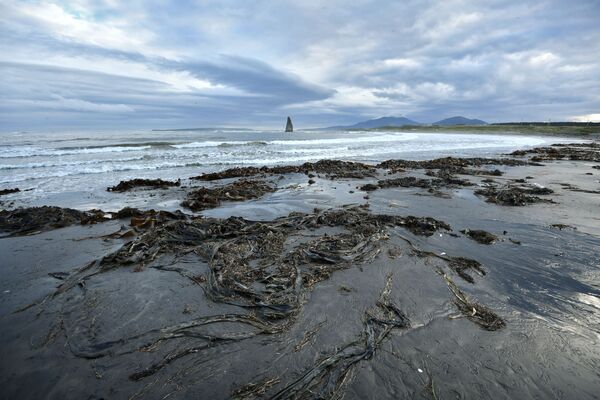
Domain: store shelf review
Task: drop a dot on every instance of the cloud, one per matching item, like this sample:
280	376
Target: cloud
587	118
58	102
89	63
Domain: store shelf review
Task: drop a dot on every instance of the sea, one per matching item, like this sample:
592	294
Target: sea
41	164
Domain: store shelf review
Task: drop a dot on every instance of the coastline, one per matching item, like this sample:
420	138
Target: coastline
581	131
394	250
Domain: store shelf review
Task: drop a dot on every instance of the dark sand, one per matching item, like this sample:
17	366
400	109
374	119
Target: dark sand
338	302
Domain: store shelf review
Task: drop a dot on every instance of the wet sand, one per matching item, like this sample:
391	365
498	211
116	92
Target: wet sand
316	289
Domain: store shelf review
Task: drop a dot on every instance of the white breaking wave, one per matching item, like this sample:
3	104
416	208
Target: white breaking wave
35	165
31	151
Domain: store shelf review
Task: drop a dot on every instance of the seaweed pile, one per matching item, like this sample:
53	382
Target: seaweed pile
332	169
411	181
406	181
31	220
9	191
204	198
25	221
335	169
451	163
125	186
564	151
264	270
480	236
514	195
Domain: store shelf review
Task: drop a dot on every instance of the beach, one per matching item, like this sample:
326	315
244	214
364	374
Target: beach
419	266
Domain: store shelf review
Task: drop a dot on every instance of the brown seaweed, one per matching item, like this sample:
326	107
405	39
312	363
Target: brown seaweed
124	186
564	151
480	236
24	221
514	195
332	169
328	377
478	313
461	265
9	191
204	198
449	162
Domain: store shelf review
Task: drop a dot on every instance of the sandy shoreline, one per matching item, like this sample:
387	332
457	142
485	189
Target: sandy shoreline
345	299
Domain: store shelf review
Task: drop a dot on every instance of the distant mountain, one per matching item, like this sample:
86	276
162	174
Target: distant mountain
378	123
460	121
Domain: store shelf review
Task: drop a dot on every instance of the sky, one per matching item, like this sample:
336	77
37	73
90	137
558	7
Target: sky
175	64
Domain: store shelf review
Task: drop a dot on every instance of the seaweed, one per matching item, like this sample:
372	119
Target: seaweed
254	390
563	151
248	265
449	162
477	313
461	265
125	186
445	179
255	267
513	195
328	377
9	191
333	169
408	181
204	198
480	236
26	221
309	336
138	215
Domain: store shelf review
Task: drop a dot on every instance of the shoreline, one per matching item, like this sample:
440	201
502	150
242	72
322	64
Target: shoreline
324	277
591	132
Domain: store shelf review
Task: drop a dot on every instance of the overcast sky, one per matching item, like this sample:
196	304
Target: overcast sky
158	64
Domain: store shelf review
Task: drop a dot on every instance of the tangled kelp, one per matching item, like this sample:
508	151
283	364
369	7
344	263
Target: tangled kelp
332	169
253	266
124	186
204	198
24	221
474	311
327	378
257	276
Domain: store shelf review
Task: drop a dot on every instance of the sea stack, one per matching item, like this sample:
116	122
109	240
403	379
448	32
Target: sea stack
288	126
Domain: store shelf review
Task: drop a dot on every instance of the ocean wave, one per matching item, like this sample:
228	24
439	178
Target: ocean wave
233	144
37	165
212	143
120	145
377	138
91	171
38	152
